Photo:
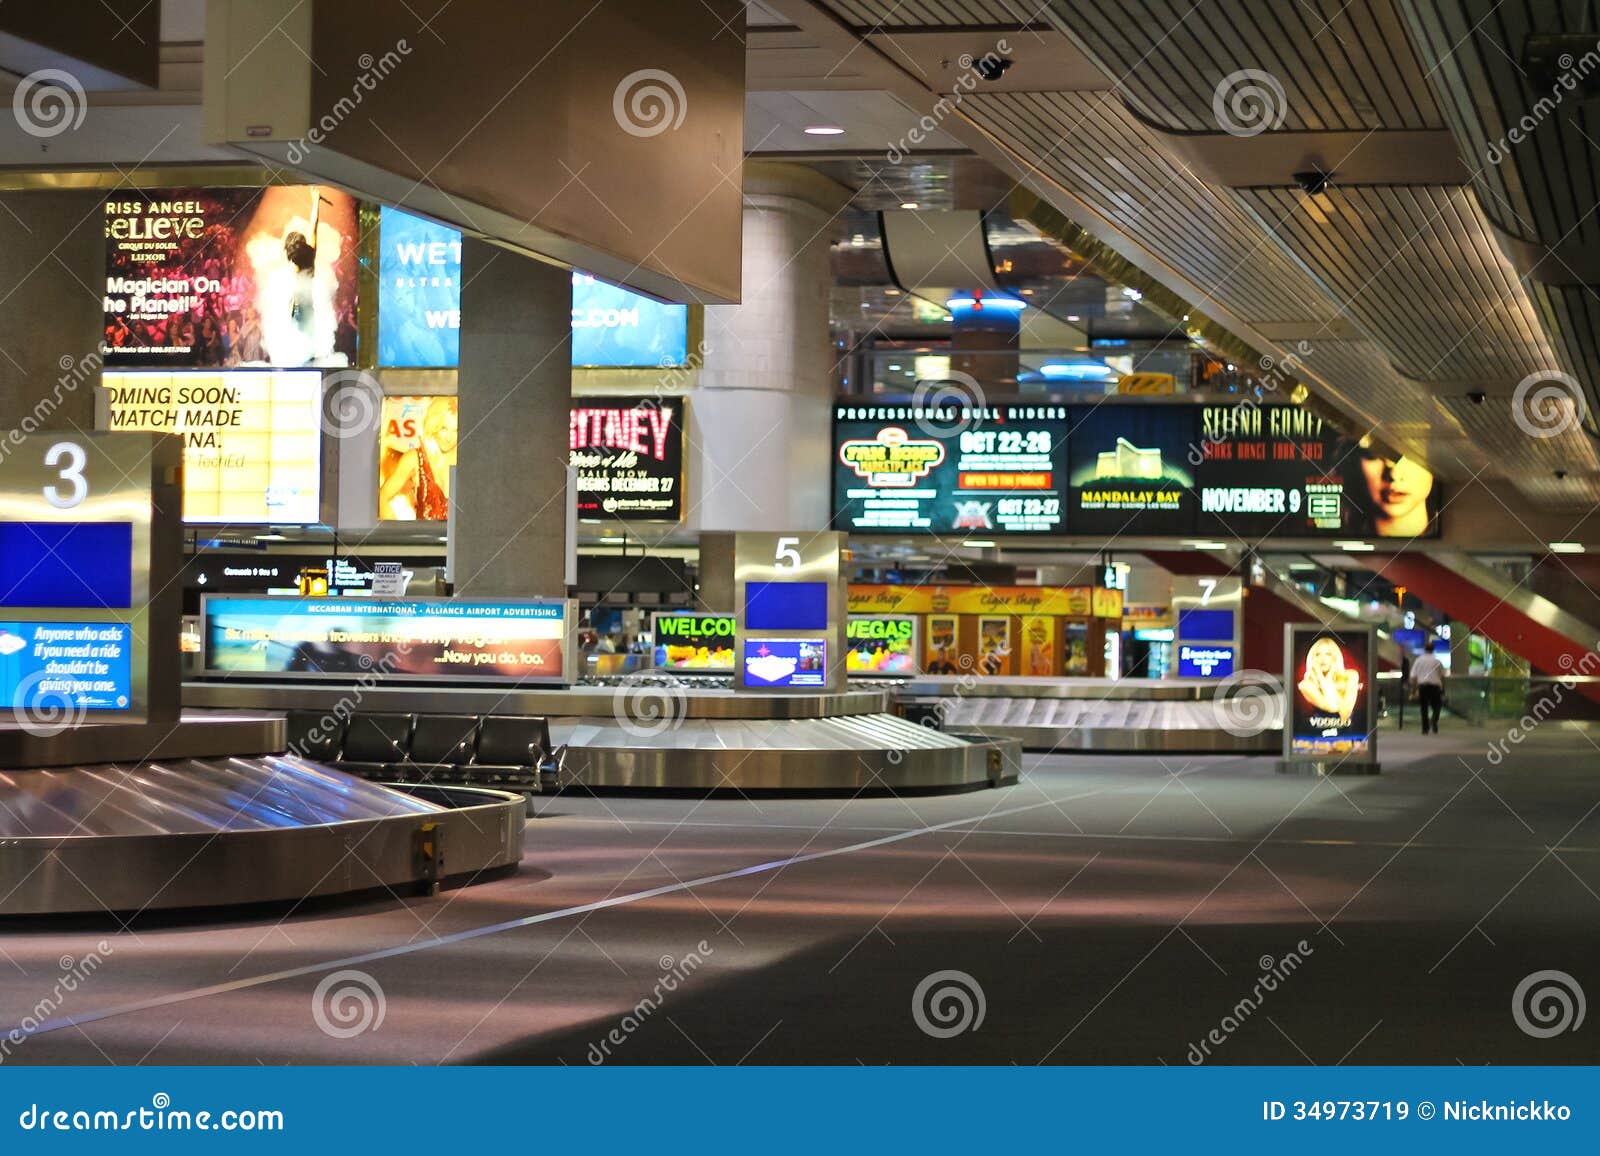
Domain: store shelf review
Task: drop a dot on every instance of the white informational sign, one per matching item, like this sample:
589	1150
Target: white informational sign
388	580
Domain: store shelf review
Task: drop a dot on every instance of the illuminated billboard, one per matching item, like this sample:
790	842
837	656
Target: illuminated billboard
252	440
949	469
416	638
881	644
1242	471
65	666
1330	695
694	643
419	307
215	278
627	452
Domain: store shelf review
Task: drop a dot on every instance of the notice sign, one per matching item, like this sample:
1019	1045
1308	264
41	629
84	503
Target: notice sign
628	455
418	638
252	441
48	667
208	278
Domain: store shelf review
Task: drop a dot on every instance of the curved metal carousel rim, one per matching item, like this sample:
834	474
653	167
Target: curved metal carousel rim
215	832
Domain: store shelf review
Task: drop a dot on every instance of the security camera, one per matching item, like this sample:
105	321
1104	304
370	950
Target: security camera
1314	182
992	67
1477	397
1561	475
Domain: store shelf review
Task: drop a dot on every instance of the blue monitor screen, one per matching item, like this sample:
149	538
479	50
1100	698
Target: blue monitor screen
52	668
1204	661
1206	625
87	565
786	606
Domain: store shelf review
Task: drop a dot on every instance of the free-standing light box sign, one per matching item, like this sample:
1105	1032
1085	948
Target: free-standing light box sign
212	278
462	639
252	439
882	644
1331	726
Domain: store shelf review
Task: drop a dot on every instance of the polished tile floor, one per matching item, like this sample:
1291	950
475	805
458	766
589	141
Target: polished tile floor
1104	910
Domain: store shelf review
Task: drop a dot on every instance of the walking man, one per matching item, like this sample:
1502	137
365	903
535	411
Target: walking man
1427	675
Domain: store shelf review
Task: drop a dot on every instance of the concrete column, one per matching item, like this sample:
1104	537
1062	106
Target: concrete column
52	267
515	389
760	419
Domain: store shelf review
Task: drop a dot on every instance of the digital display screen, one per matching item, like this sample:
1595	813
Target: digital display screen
214	278
84	565
1329	706
786	606
1206	625
881	645
950	469
627	452
1204	660
1244	470
785	662
252	440
419	307
404	639
56	668
694	642
1130	473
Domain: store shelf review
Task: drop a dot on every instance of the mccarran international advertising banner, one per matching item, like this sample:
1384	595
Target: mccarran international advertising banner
215	278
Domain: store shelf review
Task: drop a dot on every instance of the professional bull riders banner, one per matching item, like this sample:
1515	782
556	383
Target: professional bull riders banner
627	451
215	278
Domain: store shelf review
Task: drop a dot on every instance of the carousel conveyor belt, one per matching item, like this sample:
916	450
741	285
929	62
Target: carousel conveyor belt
209	832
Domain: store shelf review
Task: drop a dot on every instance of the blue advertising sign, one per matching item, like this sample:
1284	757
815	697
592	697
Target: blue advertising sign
48	667
1205	660
419	307
419	303
612	326
772	662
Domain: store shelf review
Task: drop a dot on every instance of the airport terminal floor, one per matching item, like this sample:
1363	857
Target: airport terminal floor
1105	909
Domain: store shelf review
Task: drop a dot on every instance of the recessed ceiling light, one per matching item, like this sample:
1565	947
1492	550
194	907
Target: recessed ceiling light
1073	317
1027	292
1566	547
896	365
978	544
909	205
824	130
1356	547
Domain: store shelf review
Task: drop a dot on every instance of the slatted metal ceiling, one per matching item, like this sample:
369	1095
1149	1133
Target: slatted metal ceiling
1345	65
1416	268
1425	278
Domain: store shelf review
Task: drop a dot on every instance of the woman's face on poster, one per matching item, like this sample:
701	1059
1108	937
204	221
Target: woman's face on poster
1398	488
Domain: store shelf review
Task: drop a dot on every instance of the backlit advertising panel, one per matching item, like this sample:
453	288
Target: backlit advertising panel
410	639
214	278
252	440
1281	470
1330	694
881	644
419	307
627	452
1240	471
781	662
58	668
949	469
1130	470
689	643
419	295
